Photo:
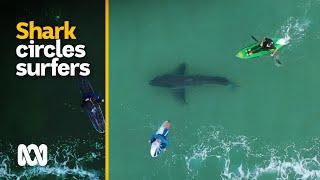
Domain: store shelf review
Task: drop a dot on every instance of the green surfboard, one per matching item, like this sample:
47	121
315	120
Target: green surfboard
243	53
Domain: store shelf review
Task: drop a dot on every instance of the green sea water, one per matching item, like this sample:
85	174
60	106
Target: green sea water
266	128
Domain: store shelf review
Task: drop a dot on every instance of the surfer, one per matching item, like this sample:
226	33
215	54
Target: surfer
159	140
266	44
162	140
91	97
90	102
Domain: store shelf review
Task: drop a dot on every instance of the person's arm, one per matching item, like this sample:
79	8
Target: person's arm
274	52
152	139
84	101
262	41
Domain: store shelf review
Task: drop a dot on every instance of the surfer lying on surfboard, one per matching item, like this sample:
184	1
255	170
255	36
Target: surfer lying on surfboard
159	140
268	46
265	45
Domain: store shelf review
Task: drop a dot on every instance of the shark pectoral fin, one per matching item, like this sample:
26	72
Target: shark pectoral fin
181	69
180	94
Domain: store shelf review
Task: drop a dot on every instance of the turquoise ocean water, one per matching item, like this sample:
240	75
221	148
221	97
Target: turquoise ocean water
266	128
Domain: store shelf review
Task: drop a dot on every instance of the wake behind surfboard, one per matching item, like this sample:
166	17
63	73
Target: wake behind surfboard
244	53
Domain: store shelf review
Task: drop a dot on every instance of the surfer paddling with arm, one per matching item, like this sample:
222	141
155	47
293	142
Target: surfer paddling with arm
265	44
269	44
262	48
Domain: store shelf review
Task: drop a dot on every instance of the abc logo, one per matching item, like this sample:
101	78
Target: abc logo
41	155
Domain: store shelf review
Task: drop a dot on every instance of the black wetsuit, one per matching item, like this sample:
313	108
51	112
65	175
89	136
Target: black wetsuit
266	42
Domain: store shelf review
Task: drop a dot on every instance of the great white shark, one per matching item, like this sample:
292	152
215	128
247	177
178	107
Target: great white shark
178	81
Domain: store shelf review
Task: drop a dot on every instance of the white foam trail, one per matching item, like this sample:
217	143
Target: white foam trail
283	41
64	162
282	163
294	29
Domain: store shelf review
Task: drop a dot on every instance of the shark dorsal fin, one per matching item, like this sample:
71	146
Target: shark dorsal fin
181	69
